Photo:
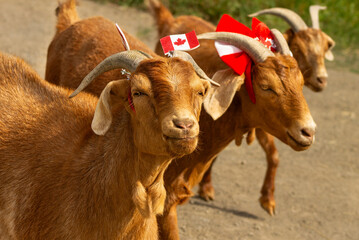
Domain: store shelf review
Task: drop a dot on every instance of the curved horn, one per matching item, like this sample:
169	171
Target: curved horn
185	56
127	59
293	19
280	42
256	50
314	15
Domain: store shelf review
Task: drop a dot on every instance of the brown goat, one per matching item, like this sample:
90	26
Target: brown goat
98	39
309	45
59	180
286	112
207	58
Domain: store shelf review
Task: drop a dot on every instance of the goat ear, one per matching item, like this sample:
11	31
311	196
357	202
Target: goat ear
114	92
329	54
219	98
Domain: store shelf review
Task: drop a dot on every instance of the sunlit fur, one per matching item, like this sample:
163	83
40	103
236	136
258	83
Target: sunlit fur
61	181
309	47
97	37
77	48
273	112
280	106
172	92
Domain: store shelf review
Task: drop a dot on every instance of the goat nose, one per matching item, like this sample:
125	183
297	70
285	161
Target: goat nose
308	133
322	80
185	123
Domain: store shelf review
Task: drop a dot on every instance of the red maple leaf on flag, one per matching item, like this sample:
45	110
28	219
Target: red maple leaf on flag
268	42
180	41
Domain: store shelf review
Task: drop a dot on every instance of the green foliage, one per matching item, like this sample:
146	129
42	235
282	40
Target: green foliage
340	20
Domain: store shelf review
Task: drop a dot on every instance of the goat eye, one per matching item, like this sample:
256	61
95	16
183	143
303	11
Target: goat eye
137	94
265	87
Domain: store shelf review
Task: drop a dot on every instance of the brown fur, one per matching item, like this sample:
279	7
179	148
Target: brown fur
65	60
61	181
240	117
281	74
67	15
309	47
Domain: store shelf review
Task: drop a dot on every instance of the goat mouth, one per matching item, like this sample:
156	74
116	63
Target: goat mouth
315	87
180	146
186	138
302	145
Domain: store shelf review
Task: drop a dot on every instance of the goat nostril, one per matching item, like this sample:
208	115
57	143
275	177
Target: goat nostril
307	133
322	80
183	123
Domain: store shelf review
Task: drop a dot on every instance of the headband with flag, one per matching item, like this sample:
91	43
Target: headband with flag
234	57
124	72
123	37
182	42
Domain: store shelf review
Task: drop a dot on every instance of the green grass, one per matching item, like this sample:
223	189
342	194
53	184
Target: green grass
340	20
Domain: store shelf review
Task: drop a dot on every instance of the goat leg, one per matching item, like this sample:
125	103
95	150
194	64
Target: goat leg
206	189
167	224
267	198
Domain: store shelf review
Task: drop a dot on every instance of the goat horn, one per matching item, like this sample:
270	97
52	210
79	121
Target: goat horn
280	42
293	19
127	59
314	15
256	50
185	56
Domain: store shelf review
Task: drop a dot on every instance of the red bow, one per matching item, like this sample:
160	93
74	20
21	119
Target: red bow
236	59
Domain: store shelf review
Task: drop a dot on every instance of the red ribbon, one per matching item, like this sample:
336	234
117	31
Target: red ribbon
130	102
241	62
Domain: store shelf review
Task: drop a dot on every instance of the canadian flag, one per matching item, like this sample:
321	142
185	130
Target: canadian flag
182	42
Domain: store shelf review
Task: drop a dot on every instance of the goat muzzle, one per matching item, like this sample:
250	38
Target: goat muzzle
302	136
181	133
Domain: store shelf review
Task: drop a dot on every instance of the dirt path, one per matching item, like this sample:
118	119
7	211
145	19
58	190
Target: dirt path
317	191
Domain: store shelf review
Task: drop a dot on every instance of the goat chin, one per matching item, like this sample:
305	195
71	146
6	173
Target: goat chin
181	146
315	85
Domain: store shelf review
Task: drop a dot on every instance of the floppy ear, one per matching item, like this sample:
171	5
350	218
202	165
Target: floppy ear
219	98
329	54
114	92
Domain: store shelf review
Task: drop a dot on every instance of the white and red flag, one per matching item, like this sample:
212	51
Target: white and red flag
182	42
234	57
124	40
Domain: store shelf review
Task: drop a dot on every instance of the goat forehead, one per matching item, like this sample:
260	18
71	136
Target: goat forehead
181	74
168	78
288	73
315	41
